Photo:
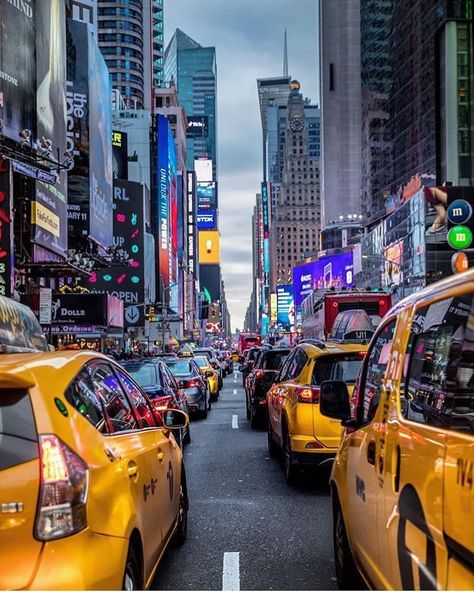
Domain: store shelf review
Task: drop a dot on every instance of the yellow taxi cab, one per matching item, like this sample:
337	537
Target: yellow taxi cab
295	423
402	481
212	375
235	357
92	482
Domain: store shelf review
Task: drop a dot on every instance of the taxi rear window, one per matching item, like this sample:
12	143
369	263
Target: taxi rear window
343	367
18	438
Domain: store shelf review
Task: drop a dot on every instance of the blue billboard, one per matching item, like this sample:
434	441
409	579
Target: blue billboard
333	271
206	220
285	307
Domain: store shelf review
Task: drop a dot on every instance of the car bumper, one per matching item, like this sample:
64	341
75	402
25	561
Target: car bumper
306	452
76	563
196	399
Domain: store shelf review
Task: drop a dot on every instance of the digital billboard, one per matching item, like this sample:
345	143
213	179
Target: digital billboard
120	154
393	261
209	249
206	220
191	220
6	230
203	170
197	126
173	201
333	271
206	196
17	68
49	210
285	307
127	282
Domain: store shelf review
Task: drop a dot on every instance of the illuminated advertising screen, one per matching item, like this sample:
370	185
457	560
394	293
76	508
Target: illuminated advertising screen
198	126
266	227
191	217
393	260
17	68
49	210
206	196
126	282
173	229
206	220
273	308
120	154
6	234
203	170
209	248
163	209
285	307
333	271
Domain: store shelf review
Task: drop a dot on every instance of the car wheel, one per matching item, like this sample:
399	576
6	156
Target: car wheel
290	468
347	576
209	405
272	449
254	419
247	407
203	412
182	526
131	578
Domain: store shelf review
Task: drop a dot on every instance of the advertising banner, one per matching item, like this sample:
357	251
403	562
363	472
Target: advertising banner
206	196
198	126
209	248
49	211
334	271
203	170
100	160
120	154
191	221
210	281
273	308
82	309
207	220
126	282
285	307
6	230
89	129
163	209
17	68
173	229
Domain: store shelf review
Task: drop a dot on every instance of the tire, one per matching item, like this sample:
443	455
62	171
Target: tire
131	576
254	419
247	407
347	576
181	531
203	412
272	449
209	405
290	468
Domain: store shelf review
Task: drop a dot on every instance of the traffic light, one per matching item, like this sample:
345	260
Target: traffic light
460	225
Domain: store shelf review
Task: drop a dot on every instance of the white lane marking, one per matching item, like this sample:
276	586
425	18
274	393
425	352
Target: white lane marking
235	375
235	422
231	571
235	391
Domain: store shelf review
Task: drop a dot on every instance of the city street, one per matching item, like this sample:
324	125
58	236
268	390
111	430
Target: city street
240	503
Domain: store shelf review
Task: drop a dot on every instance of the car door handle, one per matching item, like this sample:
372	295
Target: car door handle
371	452
160	455
132	470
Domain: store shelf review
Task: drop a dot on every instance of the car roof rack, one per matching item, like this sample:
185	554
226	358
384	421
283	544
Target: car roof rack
317	342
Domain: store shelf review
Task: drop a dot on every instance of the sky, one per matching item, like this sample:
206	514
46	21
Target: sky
248	36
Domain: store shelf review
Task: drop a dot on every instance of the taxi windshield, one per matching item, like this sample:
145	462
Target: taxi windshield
144	374
180	368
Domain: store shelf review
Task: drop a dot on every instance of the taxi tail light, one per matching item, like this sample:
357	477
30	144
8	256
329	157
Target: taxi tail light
63	491
307	394
259	374
189	383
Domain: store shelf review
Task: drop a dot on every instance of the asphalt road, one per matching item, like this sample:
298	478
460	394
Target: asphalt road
241	504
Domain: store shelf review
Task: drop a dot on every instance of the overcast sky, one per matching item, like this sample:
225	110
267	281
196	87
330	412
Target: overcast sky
248	36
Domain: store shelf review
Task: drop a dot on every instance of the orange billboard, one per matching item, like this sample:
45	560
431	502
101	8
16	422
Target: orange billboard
209	248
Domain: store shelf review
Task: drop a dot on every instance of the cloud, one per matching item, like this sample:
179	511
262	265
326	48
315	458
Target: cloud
248	36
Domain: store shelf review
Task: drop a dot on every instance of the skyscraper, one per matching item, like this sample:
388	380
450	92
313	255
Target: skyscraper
193	68
297	219
131	41
340	107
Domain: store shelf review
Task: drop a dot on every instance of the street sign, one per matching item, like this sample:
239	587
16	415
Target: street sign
132	315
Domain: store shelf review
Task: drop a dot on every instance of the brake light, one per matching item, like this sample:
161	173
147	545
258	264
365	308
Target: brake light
189	383
259	374
307	394
63	491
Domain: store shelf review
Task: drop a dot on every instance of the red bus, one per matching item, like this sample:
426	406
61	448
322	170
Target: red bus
247	340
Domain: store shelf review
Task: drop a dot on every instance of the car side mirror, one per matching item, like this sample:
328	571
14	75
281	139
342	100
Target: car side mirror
174	419
334	400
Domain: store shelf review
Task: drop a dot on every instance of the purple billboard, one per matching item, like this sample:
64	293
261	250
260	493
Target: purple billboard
333	271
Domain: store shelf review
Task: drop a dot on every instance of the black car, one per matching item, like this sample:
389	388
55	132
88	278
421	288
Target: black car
159	384
249	360
193	384
259	381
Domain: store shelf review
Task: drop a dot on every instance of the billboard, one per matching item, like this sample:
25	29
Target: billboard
273	308
333	271
191	221
206	196
6	230
207	220
210	281
89	129
17	68
203	169
120	155
209	248
100	163
126	282
49	210
285	307
198	126
392	262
